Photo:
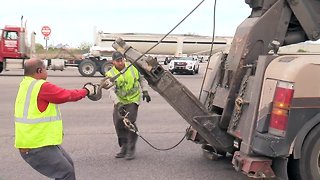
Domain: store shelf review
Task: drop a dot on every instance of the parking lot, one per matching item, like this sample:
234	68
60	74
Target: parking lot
91	141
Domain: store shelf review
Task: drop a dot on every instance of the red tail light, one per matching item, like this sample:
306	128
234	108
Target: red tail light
280	109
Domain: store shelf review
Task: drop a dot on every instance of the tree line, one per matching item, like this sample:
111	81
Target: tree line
62	51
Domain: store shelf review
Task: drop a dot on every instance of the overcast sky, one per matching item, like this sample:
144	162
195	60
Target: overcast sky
72	21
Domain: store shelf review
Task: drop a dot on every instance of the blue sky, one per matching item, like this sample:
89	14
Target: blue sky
73	21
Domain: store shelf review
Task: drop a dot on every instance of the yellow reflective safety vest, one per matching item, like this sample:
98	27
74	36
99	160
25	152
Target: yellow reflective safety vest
33	128
127	86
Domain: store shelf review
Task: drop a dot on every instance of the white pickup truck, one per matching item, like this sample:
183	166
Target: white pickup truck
184	65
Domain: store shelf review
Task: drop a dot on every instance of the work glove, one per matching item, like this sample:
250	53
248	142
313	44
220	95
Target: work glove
145	96
91	89
106	83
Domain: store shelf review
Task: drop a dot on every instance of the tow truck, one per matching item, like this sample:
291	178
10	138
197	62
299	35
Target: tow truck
261	107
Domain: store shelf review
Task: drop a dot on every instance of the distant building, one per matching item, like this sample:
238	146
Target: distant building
305	47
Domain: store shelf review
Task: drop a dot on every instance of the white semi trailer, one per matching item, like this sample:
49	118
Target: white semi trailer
98	59
175	44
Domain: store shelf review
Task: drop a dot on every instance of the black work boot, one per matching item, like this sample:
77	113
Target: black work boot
122	152
130	153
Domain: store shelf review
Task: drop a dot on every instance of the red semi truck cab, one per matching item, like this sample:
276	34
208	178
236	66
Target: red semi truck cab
13	47
10	39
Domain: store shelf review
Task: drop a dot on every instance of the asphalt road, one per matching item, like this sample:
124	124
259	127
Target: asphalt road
91	141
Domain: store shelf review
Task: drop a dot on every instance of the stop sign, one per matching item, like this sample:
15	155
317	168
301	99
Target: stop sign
45	30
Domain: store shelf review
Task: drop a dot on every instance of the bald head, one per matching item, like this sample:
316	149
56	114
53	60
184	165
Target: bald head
31	66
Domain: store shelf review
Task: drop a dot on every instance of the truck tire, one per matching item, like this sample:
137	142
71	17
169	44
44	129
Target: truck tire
105	67
87	68
197	71
309	164
1	67
193	72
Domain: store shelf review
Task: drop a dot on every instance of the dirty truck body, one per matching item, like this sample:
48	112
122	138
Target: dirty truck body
261	107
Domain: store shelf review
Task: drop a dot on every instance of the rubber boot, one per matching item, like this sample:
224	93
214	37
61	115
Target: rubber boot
122	152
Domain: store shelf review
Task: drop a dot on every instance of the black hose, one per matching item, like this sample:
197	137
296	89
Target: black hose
213	33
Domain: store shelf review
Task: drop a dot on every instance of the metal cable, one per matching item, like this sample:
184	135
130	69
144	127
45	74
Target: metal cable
213	33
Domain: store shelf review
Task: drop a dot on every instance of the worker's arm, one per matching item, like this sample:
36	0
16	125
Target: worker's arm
143	83
50	93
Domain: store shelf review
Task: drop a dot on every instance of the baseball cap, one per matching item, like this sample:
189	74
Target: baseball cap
116	55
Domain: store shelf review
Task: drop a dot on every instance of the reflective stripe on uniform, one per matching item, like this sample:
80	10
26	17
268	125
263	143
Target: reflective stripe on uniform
112	72
132	72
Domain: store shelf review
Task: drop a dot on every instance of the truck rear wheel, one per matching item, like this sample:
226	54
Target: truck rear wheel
1	67
105	67
87	68
197	71
309	164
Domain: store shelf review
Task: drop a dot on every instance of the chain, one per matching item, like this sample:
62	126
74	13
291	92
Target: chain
211	97
239	102
213	93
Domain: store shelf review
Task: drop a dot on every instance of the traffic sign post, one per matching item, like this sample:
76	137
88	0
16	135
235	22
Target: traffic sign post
46	31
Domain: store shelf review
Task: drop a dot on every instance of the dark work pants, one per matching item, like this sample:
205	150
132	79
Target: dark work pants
51	161
125	136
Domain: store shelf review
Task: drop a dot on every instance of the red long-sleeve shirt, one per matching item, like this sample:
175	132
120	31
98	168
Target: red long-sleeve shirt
50	93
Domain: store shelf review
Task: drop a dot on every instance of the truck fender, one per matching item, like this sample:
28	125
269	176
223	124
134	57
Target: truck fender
302	135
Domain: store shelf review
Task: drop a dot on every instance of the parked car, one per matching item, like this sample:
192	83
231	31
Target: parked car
184	65
200	58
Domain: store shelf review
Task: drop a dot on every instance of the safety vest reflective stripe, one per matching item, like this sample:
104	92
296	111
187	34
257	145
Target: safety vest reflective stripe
128	93
37	120
112	72
132	72
25	119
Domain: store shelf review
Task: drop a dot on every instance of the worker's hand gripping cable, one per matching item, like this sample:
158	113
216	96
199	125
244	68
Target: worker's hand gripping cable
105	83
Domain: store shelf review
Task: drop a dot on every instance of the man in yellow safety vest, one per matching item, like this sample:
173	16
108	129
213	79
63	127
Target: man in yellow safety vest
38	123
126	96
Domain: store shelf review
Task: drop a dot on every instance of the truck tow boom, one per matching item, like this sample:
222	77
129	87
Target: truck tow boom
179	97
